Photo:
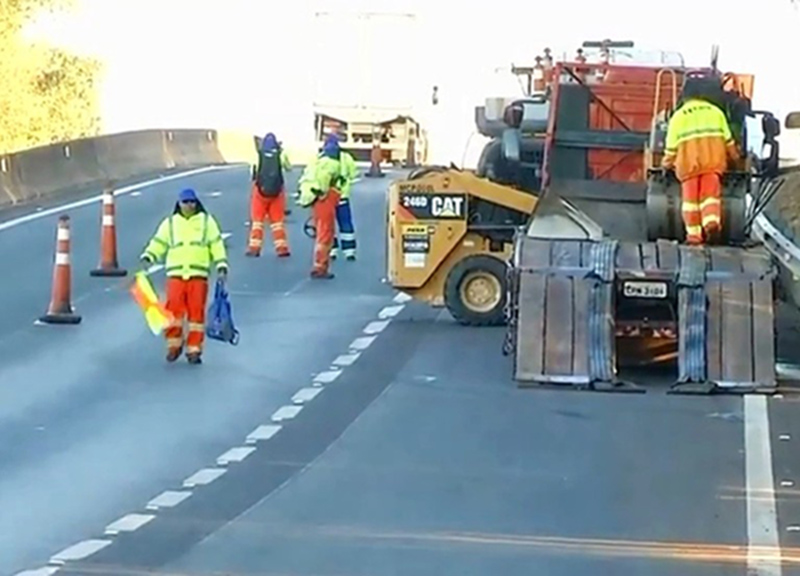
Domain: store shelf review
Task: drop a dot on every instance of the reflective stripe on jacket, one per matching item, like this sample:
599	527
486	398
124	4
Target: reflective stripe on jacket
699	140
189	244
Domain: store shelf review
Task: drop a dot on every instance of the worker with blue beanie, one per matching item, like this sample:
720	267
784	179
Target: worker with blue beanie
189	240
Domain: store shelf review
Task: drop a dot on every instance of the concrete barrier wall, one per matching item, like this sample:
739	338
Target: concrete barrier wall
42	172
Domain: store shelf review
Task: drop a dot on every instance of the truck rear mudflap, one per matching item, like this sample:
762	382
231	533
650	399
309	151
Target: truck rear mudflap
574	305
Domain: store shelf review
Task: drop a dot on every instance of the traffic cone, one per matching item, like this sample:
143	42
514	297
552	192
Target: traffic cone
109	266
375	163
60	310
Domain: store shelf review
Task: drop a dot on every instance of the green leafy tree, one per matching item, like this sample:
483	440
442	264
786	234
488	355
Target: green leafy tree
47	94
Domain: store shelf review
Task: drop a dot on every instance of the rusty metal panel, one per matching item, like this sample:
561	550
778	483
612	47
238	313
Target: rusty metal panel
534	253
530	326
668	258
629	257
580	345
714	342
737	359
559	327
649	256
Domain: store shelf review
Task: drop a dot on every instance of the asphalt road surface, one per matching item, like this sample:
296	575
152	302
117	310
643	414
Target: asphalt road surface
371	435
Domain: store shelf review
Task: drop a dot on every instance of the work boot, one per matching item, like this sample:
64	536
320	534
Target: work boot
283	253
194	358
712	233
321	275
334	253
287	211
253	253
173	354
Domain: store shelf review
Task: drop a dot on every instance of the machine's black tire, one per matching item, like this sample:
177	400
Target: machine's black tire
476	265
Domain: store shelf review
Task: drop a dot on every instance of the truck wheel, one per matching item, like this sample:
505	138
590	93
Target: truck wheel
475	291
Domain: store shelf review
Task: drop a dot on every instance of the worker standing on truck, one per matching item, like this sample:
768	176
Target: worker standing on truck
189	240
699	145
344	214
318	189
268	198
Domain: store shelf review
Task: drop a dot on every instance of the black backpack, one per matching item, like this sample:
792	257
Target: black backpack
269	174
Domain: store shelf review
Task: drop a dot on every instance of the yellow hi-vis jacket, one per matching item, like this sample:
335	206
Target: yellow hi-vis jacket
189	244
318	178
699	140
349	173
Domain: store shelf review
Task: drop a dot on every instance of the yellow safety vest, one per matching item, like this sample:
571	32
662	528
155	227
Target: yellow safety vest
189	244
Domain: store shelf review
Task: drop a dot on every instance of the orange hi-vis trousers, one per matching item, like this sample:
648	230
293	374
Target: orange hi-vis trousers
324	212
701	206
187	298
270	208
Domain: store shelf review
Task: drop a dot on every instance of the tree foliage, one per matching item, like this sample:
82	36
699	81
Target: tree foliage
47	95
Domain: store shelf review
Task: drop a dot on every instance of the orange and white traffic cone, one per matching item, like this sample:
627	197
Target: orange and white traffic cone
60	310
109	266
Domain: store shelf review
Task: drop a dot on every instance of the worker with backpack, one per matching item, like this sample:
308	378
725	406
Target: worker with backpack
268	198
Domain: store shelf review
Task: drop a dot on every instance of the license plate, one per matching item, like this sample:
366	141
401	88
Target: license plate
645	289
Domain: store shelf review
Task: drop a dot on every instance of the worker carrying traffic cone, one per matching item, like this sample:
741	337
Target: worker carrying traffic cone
268	198
344	214
318	191
189	240
699	145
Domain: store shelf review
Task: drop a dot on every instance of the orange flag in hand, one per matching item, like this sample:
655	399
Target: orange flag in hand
155	313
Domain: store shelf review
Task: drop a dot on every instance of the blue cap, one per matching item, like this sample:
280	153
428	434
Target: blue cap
187	194
269	142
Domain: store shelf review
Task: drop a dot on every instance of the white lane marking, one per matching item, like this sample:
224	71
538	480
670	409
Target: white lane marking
118	192
376	327
79	551
203	477
235	455
305	395
128	523
136	193
43	571
215	194
168	499
784	437
285	413
262	433
390	311
226	235
402	298
346	359
326	377
362	343
763	550
787	483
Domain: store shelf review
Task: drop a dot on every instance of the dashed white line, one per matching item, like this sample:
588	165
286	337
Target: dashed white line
402	298
763	550
285	413
168	499
128	523
362	343
376	327
305	395
326	377
43	571
390	311
79	551
235	455
203	477
262	433
346	359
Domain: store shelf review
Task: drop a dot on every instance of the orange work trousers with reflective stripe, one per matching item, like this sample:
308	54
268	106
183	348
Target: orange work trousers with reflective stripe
324	213
272	209
701	205
187	298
